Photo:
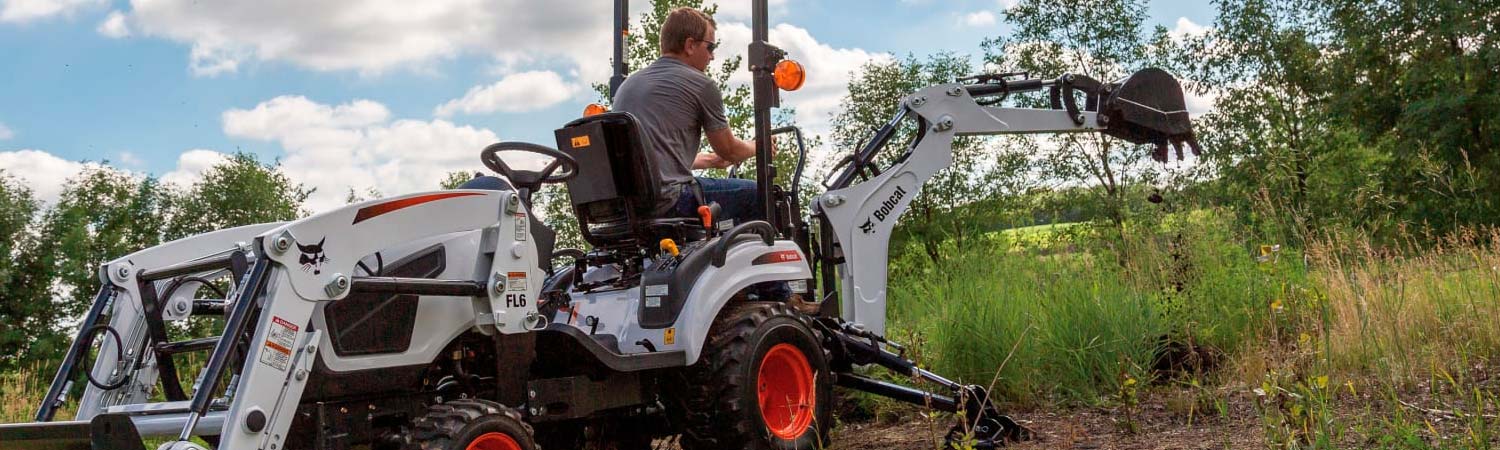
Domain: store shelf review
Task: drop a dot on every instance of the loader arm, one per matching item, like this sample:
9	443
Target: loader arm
859	216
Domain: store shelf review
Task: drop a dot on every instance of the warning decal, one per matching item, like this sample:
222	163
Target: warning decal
516	281
521	226
279	340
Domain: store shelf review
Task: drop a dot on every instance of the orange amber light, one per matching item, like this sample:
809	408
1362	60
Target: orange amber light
789	75
594	109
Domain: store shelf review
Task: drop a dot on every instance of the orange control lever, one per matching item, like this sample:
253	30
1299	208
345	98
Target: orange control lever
707	214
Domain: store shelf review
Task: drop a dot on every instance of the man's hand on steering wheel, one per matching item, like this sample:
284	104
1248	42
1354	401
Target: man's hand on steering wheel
526	178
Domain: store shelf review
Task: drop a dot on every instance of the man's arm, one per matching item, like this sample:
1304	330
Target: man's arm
732	149
710	161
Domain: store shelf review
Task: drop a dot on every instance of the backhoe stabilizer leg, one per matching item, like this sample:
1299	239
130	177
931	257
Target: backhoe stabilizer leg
981	426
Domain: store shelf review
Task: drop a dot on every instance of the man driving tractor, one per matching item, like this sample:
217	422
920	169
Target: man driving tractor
676	103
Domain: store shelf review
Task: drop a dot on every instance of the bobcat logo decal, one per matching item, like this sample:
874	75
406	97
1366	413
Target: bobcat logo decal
868	227
312	258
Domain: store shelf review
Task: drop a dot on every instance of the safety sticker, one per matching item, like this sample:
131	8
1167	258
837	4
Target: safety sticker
516	281
579	141
278	349
670	336
797	286
653	302
656	290
521	227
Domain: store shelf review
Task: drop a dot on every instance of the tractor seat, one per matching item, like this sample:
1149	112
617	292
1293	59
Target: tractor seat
617	188
488	183
679	229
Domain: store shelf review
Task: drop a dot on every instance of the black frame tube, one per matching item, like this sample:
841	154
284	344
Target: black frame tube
68	369
237	322
898	392
622	26
763	58
417	286
202	265
190	345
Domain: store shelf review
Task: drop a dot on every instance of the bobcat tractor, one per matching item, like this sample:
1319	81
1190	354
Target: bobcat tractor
448	321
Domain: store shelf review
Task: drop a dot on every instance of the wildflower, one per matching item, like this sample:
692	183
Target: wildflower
1276	305
1303	338
1321	381
1350	384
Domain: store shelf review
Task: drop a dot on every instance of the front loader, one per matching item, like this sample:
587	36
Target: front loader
448	320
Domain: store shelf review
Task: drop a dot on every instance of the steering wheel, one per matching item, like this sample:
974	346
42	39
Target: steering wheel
489	156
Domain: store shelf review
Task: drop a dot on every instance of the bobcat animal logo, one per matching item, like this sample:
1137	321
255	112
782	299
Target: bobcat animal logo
868	227
312	258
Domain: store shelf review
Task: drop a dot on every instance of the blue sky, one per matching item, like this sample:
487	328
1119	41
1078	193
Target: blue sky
352	93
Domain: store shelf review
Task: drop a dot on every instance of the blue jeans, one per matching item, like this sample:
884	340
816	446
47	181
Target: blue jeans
736	198
737	201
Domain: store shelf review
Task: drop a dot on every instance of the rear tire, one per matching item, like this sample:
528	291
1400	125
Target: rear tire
762	383
471	425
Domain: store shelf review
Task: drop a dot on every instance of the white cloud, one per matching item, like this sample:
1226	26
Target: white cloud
43	172
190	166
978	19
828	70
356	145
20	11
1199	104
739	10
1186	28
114	26
6	132
373	36
130	159
520	92
1008	4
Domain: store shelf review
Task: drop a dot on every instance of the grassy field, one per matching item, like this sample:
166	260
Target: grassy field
1337	344
1340	344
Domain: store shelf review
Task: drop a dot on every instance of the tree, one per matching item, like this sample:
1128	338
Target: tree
21	308
976	173
1101	39
1418	81
457	178
102	214
240	191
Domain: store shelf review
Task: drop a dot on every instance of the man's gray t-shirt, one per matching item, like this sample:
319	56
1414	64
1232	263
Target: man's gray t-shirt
675	104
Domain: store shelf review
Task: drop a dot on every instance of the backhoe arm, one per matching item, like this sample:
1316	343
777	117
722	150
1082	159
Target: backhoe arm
1147	107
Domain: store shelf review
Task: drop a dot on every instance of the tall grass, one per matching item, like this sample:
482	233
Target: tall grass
1083	323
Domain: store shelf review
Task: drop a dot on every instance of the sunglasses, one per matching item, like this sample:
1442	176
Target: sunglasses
711	45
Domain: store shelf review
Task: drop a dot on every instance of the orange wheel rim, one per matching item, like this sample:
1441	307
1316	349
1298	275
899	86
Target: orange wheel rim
494	441
786	391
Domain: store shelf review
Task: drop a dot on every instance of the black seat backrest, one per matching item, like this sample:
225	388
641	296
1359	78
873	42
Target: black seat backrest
617	186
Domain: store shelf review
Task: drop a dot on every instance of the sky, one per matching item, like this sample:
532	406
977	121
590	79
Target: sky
389	95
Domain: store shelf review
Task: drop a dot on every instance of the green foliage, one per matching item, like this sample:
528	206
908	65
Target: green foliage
457	178
19	277
1101	39
241	191
980	176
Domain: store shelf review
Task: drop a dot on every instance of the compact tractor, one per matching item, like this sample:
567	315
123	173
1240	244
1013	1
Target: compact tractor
448	320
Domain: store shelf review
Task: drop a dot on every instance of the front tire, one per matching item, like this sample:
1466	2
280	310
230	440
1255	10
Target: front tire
471	425
762	383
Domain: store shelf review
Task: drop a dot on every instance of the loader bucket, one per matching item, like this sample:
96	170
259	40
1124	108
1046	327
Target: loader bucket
1148	108
105	432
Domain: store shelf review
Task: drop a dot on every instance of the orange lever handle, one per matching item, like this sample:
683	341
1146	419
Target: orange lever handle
707	215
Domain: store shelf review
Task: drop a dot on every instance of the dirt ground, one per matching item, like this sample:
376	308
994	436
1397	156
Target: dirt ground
1156	428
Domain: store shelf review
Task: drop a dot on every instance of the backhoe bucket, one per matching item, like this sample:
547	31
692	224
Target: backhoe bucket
105	432
1148	108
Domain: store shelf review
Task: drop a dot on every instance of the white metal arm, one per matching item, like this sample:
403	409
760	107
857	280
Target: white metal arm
863	215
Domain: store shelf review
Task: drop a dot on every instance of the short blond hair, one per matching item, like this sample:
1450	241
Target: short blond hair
682	24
